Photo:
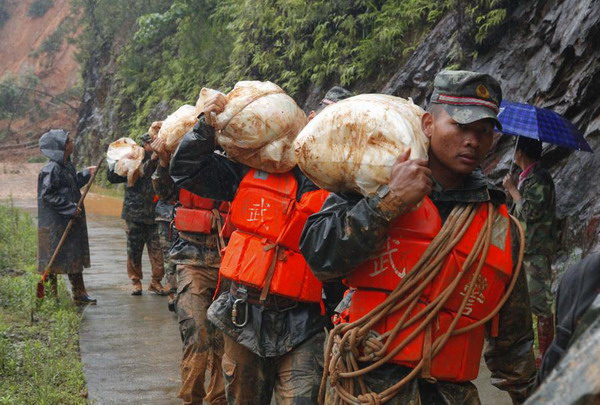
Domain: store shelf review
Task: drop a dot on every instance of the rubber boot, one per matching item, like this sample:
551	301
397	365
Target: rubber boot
157	288
137	287
80	295
545	330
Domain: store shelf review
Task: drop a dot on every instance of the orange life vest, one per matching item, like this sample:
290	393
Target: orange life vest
408	237
198	215
266	244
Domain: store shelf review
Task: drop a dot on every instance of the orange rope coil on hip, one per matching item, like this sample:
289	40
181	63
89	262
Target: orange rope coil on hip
346	341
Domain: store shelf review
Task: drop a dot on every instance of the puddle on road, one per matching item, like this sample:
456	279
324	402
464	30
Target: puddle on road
103	205
95	204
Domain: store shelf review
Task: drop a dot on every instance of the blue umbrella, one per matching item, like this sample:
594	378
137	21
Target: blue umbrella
540	123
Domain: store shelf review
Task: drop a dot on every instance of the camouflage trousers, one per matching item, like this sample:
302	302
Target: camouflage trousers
165	243
417	391
539	282
138	235
202	341
295	377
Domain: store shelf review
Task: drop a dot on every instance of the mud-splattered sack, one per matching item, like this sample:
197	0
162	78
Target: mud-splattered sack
125	157
258	126
352	145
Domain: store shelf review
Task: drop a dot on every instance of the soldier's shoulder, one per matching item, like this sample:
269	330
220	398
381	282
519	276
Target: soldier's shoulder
541	175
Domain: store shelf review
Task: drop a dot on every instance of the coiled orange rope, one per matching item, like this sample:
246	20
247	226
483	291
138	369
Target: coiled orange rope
346	341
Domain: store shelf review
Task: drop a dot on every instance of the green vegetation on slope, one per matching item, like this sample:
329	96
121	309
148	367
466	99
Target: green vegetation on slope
39	352
168	50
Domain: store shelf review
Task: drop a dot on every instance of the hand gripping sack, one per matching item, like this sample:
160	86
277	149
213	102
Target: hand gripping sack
125	157
259	125
352	145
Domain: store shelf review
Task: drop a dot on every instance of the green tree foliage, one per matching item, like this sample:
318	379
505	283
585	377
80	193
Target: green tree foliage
14	99
169	50
172	56
38	8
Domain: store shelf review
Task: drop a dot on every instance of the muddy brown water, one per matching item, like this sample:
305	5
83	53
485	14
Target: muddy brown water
130	346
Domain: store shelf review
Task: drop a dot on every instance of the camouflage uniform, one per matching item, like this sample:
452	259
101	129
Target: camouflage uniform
197	260
537	213
357	224
138	213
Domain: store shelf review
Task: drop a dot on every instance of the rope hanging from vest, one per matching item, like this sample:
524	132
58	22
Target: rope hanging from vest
350	344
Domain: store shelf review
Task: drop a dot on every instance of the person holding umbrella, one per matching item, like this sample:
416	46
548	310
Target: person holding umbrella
534	205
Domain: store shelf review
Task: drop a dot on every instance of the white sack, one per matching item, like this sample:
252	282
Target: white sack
176	125
352	145
259	125
125	157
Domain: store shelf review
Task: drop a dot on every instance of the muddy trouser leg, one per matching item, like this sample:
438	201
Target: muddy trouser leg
249	378
539	282
165	244
299	373
155	252
202	342
135	248
77	285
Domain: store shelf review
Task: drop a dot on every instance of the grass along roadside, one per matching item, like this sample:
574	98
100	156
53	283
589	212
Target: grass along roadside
39	340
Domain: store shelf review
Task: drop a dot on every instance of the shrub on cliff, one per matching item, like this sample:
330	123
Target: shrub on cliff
38	8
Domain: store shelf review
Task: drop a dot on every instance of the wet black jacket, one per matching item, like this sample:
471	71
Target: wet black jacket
197	167
579	287
350	228
58	194
575	380
138	205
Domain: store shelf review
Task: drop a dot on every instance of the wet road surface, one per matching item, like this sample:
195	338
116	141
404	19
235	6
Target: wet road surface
130	346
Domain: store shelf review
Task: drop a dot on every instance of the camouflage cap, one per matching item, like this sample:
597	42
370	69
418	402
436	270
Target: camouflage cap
335	94
467	96
146	138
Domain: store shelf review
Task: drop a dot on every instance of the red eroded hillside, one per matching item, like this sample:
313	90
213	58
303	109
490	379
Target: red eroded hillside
38	60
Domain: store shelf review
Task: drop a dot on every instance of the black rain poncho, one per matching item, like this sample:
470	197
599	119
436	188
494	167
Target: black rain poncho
58	194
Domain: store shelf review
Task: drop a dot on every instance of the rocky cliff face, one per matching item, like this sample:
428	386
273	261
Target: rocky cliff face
546	53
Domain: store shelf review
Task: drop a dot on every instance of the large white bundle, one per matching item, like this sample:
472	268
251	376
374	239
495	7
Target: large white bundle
352	145
125	157
176	125
181	121
259	125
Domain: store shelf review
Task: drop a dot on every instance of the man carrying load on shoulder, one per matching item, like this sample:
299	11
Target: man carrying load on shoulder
376	242
139	215
272	314
195	252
